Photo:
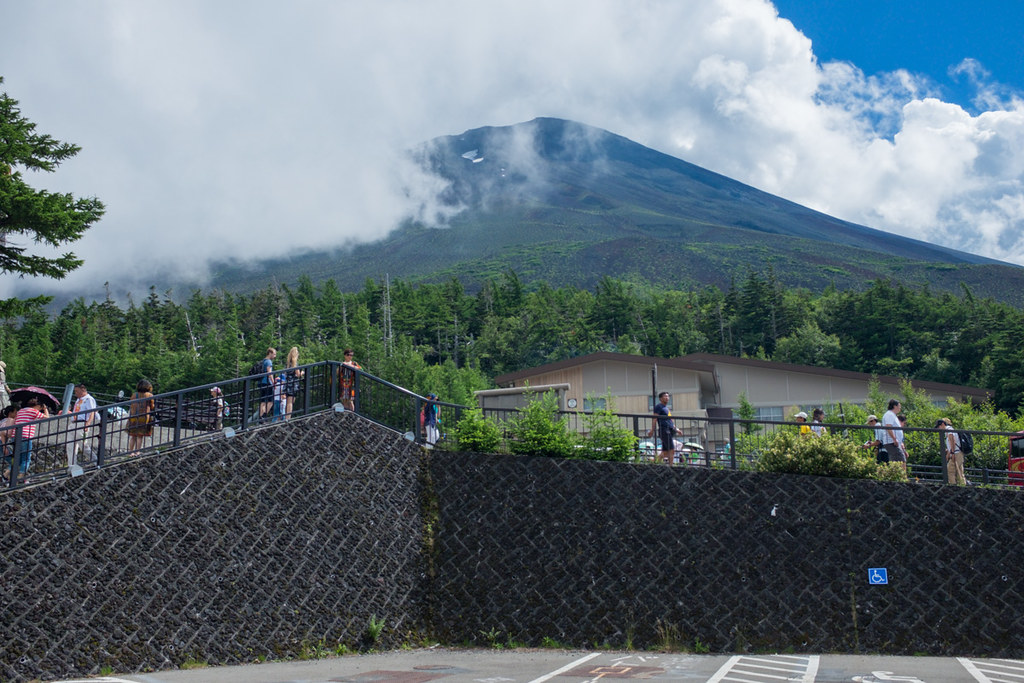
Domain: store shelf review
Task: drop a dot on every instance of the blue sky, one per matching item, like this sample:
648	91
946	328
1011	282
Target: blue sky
923	36
241	128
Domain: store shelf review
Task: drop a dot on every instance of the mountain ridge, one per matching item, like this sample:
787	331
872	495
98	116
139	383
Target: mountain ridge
569	203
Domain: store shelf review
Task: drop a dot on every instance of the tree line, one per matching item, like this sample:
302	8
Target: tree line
445	339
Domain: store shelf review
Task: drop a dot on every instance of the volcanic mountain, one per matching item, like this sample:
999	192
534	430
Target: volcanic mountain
567	203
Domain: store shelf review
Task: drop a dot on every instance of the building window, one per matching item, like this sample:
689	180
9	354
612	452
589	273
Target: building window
592	404
765	413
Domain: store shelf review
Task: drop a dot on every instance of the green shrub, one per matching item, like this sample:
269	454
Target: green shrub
537	429
828	456
606	438
890	471
474	432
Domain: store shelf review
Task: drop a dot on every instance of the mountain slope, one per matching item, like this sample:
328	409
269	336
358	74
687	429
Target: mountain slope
568	203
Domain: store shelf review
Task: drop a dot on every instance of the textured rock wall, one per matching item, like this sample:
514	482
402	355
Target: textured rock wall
273	542
289	539
609	554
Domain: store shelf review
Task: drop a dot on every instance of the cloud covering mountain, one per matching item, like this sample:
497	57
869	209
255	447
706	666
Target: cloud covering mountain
215	129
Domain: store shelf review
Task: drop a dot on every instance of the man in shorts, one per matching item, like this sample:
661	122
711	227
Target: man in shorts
666	428
267	385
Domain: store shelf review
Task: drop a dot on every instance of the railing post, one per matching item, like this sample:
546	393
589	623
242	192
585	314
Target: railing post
332	383
417	406
943	455
12	480
101	448
178	408
306	393
246	403
355	387
732	444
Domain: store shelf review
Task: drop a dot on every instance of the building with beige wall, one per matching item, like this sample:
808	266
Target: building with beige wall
703	385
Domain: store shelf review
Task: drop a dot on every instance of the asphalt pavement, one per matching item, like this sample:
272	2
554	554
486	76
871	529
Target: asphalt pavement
562	666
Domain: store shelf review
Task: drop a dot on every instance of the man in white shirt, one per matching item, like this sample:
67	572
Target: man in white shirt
83	416
890	450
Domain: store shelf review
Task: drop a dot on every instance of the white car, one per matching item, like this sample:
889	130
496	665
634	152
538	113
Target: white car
693	452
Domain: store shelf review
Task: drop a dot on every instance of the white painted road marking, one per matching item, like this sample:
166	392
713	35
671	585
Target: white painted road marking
565	668
994	670
743	669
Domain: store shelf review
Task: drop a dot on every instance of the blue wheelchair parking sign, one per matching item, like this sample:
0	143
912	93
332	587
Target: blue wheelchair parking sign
879	576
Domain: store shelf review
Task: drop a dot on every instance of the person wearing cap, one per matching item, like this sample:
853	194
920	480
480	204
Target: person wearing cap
890	448
953	455
801	417
877	442
430	420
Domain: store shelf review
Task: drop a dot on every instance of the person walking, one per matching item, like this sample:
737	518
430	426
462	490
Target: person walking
890	449
267	384
817	428
666	428
801	417
953	453
141	416
876	443
292	380
83	416
430	420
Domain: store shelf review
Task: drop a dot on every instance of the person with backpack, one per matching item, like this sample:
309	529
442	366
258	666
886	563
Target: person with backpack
954	453
267	384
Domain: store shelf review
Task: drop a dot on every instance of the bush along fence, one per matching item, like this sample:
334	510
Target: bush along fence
733	443
60	446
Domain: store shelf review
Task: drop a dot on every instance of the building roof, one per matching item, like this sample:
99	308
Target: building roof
706	362
683	363
931	387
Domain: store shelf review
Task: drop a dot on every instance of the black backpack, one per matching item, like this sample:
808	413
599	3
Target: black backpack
257	367
966	442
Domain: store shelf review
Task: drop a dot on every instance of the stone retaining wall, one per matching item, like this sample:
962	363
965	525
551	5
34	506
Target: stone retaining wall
267	545
607	554
288	540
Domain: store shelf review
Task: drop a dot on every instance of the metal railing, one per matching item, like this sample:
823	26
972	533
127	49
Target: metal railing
65	445
733	443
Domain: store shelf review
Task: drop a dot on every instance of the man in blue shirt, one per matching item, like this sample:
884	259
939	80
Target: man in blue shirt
267	384
666	429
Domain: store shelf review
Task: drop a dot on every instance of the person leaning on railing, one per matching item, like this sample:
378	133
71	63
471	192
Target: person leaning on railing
26	419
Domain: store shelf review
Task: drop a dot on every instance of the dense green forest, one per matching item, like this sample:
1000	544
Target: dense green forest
441	338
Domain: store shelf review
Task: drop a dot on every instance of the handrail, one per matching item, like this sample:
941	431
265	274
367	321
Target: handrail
63	447
734	443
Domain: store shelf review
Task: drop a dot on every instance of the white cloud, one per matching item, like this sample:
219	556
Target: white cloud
249	129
